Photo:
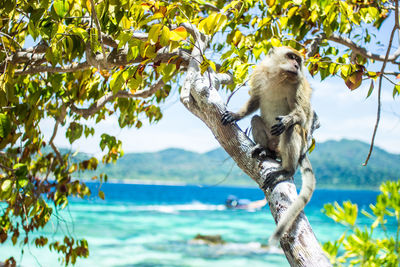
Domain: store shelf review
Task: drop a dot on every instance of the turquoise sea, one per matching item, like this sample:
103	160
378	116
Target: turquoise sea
154	225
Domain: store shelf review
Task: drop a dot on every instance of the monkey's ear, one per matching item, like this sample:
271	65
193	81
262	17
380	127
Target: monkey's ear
271	51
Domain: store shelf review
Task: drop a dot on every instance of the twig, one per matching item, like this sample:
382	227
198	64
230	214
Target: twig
389	80
58	121
6	168
378	115
234	91
9	37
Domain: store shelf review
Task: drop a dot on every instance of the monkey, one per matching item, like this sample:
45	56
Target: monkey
278	88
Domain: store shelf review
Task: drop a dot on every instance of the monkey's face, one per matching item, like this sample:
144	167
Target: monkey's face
290	63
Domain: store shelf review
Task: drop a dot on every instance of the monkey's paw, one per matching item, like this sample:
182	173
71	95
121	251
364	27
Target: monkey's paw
228	117
279	128
262	153
258	151
275	177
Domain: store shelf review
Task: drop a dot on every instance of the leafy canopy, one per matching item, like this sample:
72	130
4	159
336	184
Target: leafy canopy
74	63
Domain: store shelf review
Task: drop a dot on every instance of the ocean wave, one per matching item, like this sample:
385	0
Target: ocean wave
196	206
167	208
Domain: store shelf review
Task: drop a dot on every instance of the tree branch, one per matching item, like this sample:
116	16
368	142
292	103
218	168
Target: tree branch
97	23
95	107
68	68
361	50
115	59
378	115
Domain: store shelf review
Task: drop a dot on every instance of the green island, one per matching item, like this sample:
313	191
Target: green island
337	164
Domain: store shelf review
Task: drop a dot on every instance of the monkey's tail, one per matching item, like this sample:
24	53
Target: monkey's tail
307	189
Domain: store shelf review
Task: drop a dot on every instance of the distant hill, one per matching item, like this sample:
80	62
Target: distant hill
337	164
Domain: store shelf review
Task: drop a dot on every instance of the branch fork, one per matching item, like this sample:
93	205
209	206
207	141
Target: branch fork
200	96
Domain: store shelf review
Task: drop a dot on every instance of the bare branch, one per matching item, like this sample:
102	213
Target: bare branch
108	40
378	115
194	65
361	50
225	78
148	92
68	68
114	60
95	107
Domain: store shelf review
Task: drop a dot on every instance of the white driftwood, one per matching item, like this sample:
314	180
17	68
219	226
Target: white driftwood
200	96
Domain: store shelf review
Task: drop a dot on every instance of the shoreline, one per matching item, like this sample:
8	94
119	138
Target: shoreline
176	183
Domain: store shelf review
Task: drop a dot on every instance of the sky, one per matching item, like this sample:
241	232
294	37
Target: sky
342	113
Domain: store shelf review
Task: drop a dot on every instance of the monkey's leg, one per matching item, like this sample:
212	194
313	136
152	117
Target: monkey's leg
261	138
290	147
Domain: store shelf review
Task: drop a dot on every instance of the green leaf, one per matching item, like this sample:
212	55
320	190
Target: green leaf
21	170
5	125
165	36
371	88
117	82
154	33
312	146
101	194
345	70
396	90
6	185
61	7
74	131
23	182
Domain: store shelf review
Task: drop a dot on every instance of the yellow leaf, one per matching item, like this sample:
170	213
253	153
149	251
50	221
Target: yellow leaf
292	11
158	15
89	6
203	27
178	34
275	42
237	38
212	65
314	16
345	69
126	24
270	2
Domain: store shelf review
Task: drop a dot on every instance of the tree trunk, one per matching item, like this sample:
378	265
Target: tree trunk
200	96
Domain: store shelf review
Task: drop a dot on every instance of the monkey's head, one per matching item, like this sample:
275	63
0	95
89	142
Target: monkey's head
287	62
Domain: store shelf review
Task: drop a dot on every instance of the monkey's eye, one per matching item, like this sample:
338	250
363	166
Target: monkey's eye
292	56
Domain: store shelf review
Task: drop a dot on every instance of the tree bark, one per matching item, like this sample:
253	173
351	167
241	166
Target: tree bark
200	96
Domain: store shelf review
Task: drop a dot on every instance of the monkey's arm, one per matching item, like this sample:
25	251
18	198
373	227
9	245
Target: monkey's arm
251	105
300	114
